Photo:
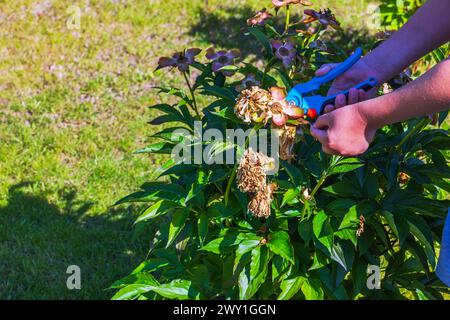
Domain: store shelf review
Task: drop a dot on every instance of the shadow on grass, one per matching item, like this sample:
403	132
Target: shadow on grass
39	240
227	29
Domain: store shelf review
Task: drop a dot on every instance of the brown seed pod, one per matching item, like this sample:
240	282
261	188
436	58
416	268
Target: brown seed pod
252	105
259	205
251	173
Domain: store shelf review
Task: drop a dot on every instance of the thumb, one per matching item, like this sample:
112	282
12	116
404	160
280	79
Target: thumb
322	122
324	69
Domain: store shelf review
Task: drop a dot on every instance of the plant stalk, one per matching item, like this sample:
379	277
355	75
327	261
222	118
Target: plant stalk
288	17
234	172
192	94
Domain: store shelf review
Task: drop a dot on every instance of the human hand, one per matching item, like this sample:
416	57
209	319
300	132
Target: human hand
345	131
357	74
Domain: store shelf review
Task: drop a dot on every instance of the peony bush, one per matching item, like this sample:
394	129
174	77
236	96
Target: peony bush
311	228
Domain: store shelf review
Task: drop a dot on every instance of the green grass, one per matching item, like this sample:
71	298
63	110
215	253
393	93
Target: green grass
73	108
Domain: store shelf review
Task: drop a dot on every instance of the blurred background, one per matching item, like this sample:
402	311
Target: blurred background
75	81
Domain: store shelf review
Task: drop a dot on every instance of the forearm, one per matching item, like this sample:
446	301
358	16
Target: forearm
426	30
426	95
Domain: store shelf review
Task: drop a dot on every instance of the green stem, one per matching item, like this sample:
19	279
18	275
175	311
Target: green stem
192	95
288	17
316	188
234	172
418	127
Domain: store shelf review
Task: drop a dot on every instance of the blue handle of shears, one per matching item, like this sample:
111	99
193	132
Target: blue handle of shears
339	69
297	93
366	86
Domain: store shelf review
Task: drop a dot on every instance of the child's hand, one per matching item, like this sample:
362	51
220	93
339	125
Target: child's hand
357	74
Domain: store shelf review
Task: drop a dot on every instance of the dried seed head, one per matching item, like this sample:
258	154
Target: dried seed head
252	105
251	173
259	205
360	230
287	142
403	178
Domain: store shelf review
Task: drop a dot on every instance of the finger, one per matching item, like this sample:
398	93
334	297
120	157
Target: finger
363	96
353	96
340	102
325	69
328	108
328	150
320	135
322	122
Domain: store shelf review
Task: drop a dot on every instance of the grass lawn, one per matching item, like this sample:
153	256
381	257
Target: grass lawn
73	108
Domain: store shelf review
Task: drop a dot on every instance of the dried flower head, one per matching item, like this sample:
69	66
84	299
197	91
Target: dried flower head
247	82
360	230
259	19
252	105
403	178
282	3
287	136
251	173
221	59
259	205
181	60
324	16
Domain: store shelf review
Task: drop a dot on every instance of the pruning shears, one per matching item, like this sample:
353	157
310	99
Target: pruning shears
303	94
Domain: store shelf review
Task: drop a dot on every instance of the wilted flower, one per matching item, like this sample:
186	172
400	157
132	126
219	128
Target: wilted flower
280	109
259	205
258	105
221	59
287	142
324	16
247	82
285	51
253	105
181	60
403	178
259	19
360	230
251	173
282	3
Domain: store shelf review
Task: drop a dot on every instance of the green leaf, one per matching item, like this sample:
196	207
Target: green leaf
178	289
132	291
224	244
312	290
290	286
346	165
261	37
159	208
427	246
294	173
151	265
247	245
220	92
279	243
177	224
159	147
290	195
202	226
350	220
253	276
